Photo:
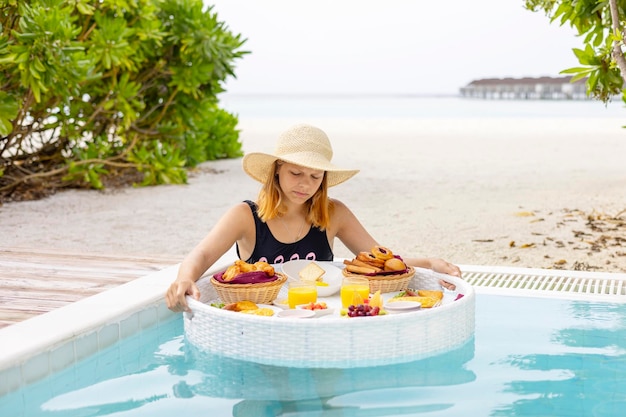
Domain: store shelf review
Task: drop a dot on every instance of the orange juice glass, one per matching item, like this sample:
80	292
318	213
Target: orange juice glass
351	286
301	293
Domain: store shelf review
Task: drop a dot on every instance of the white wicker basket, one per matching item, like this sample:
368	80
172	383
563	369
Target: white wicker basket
334	342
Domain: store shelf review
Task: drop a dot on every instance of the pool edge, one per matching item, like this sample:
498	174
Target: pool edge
34	348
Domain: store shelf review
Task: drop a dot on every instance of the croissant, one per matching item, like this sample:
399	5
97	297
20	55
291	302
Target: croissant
231	272
241	267
265	267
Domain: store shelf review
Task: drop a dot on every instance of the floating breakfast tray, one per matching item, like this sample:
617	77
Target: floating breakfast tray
335	341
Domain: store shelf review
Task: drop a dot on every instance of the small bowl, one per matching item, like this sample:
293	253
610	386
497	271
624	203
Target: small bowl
332	277
296	314
317	313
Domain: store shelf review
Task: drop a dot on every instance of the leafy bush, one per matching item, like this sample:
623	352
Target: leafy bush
97	90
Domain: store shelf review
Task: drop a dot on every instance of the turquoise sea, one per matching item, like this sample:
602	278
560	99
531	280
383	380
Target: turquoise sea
418	107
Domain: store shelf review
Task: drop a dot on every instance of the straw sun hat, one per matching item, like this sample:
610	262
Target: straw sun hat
302	145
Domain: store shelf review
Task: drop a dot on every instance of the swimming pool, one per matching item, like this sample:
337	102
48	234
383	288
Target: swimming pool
529	357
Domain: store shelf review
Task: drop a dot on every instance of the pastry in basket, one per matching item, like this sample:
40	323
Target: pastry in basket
381	252
241	272
379	260
370	259
385	271
257	282
242	267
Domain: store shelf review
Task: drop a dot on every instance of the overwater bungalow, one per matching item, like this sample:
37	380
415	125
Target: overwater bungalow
542	88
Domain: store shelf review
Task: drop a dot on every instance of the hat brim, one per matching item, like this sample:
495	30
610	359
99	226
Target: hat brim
258	166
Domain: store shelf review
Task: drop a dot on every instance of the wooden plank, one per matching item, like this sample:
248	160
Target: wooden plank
10	317
12	297
55	280
26	304
35	281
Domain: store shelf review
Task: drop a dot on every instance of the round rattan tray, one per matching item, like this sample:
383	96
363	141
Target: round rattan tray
334	341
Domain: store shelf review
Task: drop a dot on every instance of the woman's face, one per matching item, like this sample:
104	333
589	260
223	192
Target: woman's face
299	183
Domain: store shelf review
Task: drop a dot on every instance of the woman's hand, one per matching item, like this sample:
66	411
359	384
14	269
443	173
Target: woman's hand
176	293
439	265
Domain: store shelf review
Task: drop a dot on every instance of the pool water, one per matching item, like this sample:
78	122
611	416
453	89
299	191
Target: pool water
529	357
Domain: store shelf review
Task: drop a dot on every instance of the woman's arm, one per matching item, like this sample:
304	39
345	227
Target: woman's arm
234	225
436	264
352	233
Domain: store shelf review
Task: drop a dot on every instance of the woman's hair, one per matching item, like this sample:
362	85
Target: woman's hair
319	207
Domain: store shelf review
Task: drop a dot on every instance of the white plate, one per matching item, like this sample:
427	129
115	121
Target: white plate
296	314
318	313
333	275
402	306
284	306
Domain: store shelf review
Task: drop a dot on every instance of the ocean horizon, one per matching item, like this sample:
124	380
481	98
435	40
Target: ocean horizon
268	106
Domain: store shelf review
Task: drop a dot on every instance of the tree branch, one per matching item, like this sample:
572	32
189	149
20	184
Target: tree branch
617	53
61	170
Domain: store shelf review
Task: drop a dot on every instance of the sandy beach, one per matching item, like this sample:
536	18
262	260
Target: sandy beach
535	192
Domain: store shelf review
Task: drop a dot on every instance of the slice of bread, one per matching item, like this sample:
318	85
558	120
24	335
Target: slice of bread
312	272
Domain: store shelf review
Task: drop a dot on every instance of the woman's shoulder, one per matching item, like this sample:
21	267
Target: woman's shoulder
339	207
247	203
241	209
342	217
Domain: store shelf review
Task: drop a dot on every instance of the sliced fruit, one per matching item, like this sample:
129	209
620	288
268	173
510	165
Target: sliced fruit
315	306
436	294
376	300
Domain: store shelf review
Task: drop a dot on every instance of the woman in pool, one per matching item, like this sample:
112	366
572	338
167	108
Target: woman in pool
293	217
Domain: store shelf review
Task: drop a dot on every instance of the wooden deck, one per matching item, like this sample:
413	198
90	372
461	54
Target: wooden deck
33	282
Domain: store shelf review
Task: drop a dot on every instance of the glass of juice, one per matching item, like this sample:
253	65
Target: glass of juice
301	292
351	286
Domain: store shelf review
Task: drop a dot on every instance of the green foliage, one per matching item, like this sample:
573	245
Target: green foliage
592	21
160	162
8	112
95	89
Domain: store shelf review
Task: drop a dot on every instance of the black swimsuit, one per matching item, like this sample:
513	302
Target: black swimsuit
313	246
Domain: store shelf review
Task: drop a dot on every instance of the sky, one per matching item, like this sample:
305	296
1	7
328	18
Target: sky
420	47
